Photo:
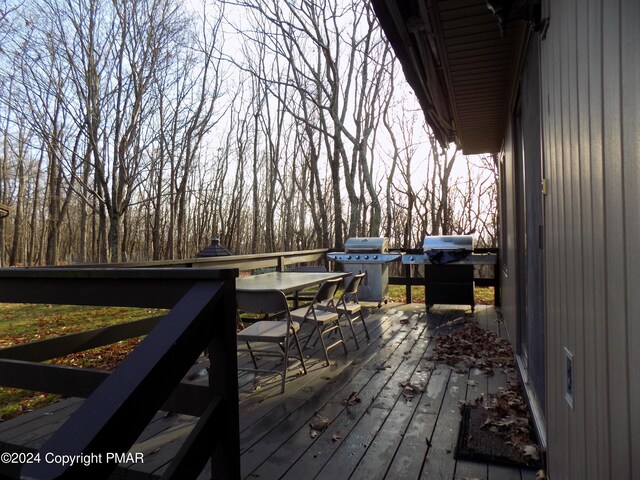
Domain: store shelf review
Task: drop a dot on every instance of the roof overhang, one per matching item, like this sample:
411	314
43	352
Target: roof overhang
459	64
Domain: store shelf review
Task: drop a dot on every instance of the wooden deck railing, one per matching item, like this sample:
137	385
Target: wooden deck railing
277	260
120	404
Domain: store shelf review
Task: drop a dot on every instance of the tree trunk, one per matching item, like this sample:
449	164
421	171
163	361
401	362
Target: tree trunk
115	237
16	246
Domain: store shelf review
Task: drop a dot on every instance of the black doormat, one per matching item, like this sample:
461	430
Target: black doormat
482	445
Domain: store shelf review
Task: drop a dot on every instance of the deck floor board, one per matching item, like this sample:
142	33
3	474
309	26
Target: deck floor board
382	434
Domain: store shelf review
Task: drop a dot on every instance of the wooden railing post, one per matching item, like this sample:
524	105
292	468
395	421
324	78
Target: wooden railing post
223	383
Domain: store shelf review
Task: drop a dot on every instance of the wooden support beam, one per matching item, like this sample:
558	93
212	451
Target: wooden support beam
187	398
78	342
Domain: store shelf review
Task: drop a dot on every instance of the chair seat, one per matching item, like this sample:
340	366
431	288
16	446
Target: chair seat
351	307
322	316
265	331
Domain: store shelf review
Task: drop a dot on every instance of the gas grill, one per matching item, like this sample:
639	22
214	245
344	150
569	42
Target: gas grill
449	269
370	255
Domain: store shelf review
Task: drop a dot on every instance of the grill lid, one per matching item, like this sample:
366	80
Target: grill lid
448	242
367	245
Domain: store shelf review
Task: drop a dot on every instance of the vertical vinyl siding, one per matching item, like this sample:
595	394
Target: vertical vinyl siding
589	410
615	240
551	385
591	124
598	335
630	86
575	336
565	241
554	259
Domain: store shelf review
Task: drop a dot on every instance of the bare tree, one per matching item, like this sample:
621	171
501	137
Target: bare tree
438	195
197	80
127	131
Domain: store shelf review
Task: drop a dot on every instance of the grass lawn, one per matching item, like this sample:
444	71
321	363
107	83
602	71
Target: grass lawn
21	323
397	293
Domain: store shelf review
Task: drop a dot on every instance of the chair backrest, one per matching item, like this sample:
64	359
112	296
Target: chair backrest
354	283
309	268
327	290
262	301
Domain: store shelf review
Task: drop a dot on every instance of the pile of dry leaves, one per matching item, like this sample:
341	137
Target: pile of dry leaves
474	347
511	420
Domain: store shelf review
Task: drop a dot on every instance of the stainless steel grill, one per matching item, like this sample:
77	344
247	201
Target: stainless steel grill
370	255
457	249
449	269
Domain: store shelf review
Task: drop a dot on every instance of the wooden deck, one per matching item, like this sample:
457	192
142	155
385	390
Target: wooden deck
381	434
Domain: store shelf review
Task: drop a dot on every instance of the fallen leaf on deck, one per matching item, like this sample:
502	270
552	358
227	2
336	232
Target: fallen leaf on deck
352	399
472	383
335	437
409	390
541	475
532	451
318	425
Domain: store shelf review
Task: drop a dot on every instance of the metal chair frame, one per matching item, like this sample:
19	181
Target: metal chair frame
323	315
348	305
271	303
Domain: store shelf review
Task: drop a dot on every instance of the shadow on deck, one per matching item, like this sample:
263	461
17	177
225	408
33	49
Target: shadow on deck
348	420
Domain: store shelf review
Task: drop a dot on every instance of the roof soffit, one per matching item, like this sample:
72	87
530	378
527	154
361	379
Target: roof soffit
463	63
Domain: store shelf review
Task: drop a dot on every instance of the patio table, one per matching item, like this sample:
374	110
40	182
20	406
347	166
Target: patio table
286	282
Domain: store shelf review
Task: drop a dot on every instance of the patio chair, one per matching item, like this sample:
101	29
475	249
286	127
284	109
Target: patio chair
305	295
282	332
325	319
348	305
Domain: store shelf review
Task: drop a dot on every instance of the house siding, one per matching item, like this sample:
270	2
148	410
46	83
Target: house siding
590	81
507	249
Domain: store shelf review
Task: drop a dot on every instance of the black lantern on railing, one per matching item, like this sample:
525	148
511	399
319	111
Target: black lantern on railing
509	10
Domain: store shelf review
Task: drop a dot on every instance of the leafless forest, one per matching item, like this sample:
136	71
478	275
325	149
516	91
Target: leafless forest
138	129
